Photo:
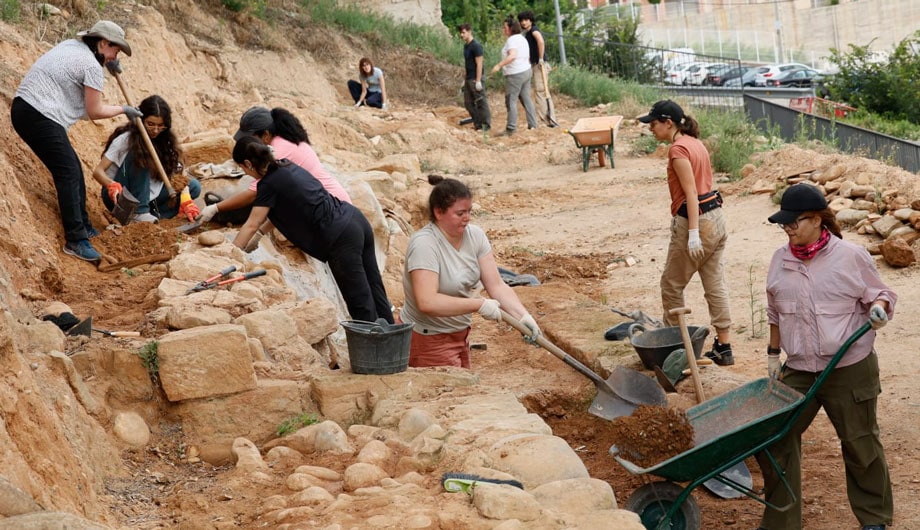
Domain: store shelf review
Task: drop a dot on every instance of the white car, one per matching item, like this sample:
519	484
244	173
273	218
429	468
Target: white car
773	70
697	73
678	74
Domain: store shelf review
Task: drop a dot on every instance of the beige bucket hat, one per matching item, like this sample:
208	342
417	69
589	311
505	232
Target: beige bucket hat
109	31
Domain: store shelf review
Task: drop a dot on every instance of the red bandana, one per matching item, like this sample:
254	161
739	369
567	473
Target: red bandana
806	252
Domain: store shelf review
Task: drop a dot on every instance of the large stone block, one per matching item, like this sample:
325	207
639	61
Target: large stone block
205	361
315	319
254	414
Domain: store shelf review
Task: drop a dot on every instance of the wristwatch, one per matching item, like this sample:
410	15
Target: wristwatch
773	351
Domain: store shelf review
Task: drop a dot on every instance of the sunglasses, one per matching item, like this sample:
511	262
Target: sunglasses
794	225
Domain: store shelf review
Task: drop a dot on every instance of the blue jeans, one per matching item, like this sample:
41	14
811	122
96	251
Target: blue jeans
137	182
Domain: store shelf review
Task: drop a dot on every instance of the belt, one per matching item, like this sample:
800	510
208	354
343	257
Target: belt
707	203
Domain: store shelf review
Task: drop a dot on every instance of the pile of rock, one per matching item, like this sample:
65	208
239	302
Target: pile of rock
866	209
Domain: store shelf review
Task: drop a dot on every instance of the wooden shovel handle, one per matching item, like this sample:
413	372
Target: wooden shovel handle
681	313
140	126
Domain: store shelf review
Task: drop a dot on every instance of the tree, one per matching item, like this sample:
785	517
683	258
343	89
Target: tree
888	87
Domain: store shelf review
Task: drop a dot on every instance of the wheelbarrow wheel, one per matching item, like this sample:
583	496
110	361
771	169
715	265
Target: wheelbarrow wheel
653	501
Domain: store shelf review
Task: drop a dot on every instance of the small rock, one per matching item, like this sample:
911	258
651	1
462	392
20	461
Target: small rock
211	238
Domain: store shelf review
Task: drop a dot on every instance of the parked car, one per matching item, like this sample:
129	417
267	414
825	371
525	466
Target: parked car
773	70
719	76
678	74
697	73
746	79
803	77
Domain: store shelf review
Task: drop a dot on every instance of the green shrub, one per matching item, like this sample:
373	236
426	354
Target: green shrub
150	359
9	10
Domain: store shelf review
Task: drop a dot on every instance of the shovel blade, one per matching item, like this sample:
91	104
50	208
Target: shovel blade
738	473
625	390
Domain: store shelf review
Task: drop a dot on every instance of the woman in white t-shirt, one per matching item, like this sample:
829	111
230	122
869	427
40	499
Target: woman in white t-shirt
515	66
126	164
445	261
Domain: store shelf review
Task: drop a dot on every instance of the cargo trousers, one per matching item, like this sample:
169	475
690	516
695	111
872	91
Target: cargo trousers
849	397
679	268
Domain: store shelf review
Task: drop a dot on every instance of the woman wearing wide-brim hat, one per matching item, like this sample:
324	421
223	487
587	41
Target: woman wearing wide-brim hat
63	86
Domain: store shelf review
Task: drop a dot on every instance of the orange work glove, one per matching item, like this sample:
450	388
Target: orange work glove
113	189
187	206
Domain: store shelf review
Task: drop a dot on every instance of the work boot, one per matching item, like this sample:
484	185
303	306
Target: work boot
721	354
82	249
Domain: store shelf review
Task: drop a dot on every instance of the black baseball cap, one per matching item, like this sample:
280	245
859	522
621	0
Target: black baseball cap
254	120
798	199
664	110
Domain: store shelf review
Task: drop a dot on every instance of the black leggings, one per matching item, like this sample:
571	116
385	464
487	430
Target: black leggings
353	261
49	141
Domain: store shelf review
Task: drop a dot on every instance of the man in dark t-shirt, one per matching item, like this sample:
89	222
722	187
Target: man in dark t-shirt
537	46
474	90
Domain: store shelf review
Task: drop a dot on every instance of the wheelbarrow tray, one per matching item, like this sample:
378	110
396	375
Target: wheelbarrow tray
598	135
728	426
592	132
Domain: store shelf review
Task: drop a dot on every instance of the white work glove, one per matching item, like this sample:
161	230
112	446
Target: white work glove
490	309
877	316
209	212
531	324
253	242
773	366
694	245
358	104
478	86
385	106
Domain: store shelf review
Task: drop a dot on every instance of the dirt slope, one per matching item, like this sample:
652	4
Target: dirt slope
545	216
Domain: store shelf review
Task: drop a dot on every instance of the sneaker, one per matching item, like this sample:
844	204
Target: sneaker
508	132
144	218
721	354
91	232
82	249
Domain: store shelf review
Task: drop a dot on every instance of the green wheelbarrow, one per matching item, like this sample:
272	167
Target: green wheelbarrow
726	430
596	135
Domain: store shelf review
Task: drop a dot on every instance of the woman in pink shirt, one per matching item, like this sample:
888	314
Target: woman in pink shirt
286	135
821	289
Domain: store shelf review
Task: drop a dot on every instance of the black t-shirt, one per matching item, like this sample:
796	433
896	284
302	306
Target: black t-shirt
532	44
302	210
471	51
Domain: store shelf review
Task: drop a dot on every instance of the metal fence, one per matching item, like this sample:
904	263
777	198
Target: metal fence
791	125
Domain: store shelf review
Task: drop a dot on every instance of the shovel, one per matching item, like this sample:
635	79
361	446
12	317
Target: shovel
619	395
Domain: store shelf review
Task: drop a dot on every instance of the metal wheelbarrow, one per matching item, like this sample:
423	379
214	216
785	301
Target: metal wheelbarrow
727	430
596	135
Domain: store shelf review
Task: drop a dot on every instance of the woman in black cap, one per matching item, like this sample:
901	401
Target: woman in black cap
698	232
63	86
821	289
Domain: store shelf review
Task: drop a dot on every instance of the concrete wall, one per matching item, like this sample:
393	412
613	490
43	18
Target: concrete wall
806	31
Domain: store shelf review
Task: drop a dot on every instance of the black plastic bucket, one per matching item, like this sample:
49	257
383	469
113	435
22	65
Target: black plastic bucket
377	348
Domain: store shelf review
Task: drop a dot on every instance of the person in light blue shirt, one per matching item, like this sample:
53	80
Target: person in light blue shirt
371	88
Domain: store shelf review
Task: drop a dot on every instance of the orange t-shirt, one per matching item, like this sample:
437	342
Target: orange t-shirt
693	150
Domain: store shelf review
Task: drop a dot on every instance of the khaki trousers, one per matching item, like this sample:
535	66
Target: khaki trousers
849	397
679	268
541	94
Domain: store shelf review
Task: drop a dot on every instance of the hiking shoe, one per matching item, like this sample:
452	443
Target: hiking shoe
91	232
82	249
721	354
144	218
